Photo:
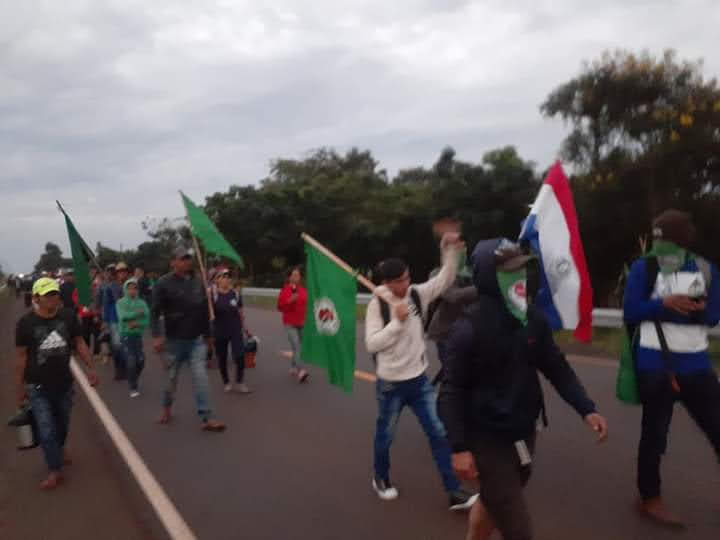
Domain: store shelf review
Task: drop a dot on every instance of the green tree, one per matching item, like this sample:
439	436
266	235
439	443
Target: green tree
52	259
645	136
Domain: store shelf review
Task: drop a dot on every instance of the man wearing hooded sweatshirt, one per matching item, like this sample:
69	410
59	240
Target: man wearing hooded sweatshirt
491	399
672	297
133	316
394	334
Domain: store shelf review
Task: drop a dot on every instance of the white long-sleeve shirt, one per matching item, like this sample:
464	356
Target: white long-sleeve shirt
400	346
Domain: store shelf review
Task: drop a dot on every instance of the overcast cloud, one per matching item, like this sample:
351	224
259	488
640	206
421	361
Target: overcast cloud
111	106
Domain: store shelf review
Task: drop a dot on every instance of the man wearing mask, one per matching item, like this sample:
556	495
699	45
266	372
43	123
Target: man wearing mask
491	398
672	298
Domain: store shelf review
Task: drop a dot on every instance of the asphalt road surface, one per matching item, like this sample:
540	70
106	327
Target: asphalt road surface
296	463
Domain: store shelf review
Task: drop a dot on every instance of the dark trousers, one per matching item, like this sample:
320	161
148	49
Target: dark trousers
502	484
238	351
134	358
442	356
91	331
699	393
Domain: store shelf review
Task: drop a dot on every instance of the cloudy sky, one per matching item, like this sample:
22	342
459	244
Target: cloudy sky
111	106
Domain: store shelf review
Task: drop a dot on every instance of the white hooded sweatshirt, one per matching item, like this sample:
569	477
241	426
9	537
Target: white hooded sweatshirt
400	346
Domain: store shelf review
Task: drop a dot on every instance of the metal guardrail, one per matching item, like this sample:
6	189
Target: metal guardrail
602	317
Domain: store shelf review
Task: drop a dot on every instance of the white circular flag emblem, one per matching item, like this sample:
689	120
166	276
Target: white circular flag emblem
327	320
518	295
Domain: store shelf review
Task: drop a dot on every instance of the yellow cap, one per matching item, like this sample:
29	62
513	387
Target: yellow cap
45	285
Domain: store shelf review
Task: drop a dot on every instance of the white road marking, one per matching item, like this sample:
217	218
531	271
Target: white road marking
171	519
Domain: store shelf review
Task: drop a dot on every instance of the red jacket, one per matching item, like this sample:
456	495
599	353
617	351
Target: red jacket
293	311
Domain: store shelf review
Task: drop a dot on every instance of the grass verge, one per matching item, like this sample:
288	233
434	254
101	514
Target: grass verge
606	341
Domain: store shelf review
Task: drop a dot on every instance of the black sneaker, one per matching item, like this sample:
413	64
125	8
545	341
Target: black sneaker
462	500
384	489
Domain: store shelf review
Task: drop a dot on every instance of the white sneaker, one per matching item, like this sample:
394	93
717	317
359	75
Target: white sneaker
228	387
384	489
134	394
243	388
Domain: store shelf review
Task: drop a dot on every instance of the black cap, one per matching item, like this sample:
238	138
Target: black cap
676	227
182	252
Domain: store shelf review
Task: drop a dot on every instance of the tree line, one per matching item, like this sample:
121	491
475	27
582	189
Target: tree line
645	136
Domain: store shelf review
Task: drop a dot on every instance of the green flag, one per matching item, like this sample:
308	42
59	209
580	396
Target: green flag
329	332
81	256
207	232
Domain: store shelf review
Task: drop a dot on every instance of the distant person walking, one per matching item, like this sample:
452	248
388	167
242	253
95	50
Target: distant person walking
228	325
292	302
67	288
133	318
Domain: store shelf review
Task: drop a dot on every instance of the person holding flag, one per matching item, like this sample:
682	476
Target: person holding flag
491	399
394	334
181	300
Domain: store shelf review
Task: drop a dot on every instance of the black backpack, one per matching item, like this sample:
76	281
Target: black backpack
385	312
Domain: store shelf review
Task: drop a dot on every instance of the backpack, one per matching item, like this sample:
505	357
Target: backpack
386	316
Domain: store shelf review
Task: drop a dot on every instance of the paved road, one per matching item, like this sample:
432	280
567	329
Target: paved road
99	500
296	461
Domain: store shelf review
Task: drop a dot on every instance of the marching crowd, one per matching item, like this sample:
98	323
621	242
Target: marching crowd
482	412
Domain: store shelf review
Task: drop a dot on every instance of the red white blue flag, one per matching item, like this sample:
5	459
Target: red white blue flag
565	293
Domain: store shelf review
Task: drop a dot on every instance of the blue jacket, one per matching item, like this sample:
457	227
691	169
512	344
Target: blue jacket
684	334
110	294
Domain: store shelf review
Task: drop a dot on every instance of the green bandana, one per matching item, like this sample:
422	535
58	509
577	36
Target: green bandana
513	290
671	257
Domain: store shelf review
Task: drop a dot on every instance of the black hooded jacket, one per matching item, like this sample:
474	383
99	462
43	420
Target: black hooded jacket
492	386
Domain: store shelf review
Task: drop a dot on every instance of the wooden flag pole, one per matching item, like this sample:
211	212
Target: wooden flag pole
211	311
345	266
337	260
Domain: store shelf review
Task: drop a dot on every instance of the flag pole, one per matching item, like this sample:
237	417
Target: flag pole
337	260
211	311
388	297
89	251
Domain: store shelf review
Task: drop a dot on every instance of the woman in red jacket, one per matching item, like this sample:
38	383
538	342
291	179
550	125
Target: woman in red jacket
292	303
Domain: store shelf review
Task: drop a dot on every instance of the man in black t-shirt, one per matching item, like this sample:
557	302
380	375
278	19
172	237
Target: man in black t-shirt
45	339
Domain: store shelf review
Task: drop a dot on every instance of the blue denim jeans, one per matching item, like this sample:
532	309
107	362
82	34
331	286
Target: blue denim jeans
51	412
194	353
117	350
419	395
294	335
134	358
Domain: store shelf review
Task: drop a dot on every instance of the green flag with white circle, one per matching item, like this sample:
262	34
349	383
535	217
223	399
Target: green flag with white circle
328	339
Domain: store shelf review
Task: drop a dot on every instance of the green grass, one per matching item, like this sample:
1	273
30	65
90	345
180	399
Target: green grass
606	341
263	302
